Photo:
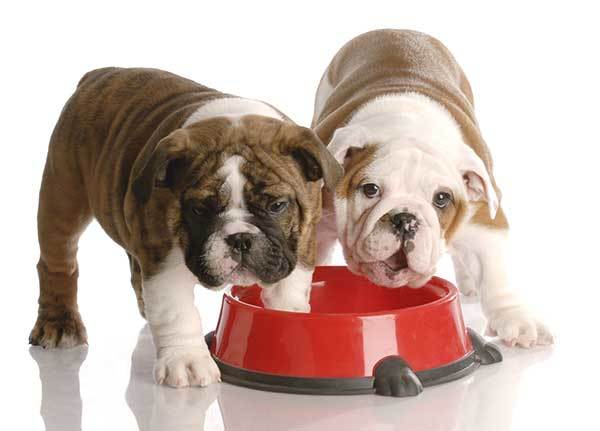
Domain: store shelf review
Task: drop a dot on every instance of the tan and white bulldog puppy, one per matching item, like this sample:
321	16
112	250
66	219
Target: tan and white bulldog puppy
197	186
397	110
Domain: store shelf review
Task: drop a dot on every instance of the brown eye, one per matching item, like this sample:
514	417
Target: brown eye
205	207
277	207
442	199
370	190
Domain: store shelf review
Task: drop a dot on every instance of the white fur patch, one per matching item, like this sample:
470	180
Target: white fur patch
481	251
290	294
233	108
234	181
183	358
235	216
409	120
233	184
479	254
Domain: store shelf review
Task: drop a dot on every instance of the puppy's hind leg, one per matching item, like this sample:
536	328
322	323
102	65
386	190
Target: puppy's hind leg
63	214
136	283
483	245
464	278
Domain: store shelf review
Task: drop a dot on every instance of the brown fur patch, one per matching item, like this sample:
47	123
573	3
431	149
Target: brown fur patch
354	170
451	218
482	216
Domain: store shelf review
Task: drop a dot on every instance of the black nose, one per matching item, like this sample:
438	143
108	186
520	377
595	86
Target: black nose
405	222
240	242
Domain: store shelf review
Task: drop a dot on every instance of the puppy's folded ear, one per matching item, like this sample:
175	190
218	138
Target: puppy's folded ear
157	168
478	181
315	161
345	141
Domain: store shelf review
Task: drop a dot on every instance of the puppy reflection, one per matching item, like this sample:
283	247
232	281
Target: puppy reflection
162	408
59	376
456	405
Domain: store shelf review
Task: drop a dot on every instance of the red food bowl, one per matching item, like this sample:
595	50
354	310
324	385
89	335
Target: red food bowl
358	338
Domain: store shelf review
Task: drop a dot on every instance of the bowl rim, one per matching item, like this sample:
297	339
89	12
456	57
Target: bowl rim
451	295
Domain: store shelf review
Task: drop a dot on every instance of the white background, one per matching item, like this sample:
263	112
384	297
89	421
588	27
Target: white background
535	74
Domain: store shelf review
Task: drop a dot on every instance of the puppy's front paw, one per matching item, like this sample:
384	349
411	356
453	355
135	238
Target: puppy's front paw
58	328
296	305
184	367
516	326
285	300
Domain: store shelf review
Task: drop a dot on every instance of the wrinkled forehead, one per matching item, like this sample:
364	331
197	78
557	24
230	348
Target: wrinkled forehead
260	141
410	170
236	176
268	179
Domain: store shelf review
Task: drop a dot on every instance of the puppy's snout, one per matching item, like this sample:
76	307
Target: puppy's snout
406	223
240	242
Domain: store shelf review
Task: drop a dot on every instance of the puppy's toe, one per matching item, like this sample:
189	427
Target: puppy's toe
58	328
509	334
517	327
160	373
545	337
177	375
490	332
204	372
527	335
186	367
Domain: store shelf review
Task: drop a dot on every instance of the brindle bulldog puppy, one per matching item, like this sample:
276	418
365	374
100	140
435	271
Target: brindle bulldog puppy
197	186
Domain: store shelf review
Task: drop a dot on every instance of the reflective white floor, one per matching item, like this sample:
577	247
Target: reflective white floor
108	386
535	389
